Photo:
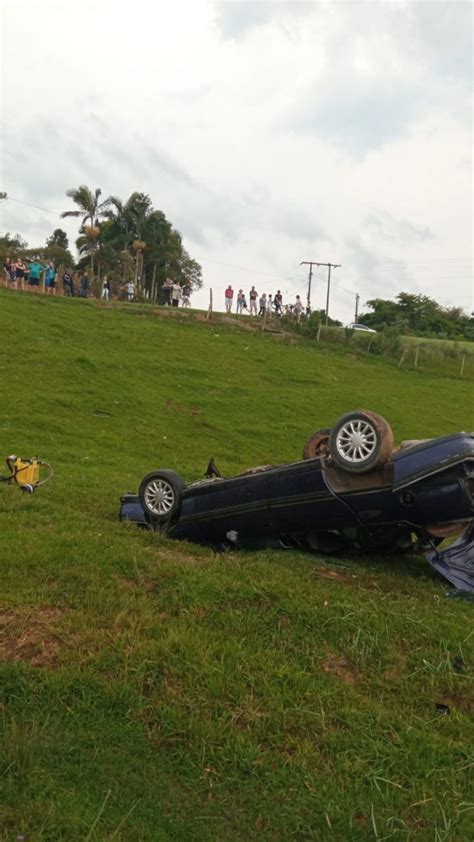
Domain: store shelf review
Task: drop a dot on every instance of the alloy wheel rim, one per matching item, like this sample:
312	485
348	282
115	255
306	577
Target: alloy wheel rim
159	497
356	441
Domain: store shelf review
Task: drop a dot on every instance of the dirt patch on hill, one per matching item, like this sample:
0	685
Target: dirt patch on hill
180	408
340	666
31	638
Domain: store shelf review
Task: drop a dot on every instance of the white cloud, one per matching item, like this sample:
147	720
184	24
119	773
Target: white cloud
269	133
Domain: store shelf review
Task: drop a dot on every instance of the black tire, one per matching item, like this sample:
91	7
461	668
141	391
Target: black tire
160	496
361	441
317	445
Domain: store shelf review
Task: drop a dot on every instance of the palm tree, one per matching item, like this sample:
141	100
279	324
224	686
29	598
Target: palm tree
130	224
91	210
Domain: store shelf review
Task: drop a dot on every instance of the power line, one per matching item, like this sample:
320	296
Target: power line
246	269
28	204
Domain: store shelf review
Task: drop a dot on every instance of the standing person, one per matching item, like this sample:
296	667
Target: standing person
262	304
253	295
229	297
176	294
12	266
35	269
278	302
67	283
105	289
186	294
298	308
20	274
50	278
239	301
7	268
84	284
167	287
269	304
130	288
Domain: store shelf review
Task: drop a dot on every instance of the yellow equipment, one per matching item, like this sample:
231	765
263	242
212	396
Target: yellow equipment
26	472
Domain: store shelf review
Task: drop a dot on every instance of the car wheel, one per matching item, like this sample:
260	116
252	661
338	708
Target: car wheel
317	445
160	496
361	441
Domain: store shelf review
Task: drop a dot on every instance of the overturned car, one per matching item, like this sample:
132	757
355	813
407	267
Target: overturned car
352	489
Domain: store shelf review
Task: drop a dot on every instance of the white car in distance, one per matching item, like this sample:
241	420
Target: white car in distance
355	326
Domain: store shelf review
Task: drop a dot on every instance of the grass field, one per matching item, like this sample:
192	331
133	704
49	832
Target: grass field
428	356
153	690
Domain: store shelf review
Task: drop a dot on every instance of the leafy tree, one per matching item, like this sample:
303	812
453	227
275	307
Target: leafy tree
419	315
135	222
59	255
58	238
12	244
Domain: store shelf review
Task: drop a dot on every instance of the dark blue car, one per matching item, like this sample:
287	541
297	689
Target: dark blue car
351	490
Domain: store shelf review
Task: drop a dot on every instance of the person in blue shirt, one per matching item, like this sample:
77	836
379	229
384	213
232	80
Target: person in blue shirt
50	278
35	269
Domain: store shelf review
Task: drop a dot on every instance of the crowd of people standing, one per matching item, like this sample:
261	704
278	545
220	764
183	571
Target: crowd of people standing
176	294
38	276
261	305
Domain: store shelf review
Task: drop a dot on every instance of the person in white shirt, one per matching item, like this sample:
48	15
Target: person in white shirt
298	307
176	294
130	287
253	295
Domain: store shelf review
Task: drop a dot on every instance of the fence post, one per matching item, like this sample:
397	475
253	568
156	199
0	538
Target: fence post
402	358
264	317
319	332
462	364
370	343
153	284
209	311
416	355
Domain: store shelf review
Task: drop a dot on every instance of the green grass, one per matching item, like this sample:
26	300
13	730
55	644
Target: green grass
430	356
462	346
152	690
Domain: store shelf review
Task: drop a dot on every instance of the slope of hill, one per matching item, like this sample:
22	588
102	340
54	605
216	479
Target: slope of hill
157	690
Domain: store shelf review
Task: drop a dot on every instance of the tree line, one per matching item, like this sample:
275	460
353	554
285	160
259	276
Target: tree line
127	241
418	315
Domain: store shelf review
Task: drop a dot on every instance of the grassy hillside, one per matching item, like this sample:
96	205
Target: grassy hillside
153	690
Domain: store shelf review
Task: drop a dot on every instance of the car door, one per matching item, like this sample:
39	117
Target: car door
234	510
301	502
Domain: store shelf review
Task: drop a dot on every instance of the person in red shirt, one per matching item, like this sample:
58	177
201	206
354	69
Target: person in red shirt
229	297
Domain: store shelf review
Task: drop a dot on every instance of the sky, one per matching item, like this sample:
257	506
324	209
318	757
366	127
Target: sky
269	133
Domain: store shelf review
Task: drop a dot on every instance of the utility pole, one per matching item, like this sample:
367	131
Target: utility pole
330	266
309	263
357	308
